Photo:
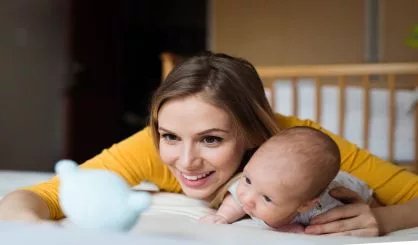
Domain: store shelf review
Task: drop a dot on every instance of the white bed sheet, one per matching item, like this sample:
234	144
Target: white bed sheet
12	180
171	219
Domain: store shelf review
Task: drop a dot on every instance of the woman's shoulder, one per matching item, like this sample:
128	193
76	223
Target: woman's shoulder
284	121
140	151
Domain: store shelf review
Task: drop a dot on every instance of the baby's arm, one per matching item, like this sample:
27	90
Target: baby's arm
374	203
229	212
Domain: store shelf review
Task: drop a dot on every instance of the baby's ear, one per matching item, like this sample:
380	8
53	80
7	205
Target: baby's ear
308	205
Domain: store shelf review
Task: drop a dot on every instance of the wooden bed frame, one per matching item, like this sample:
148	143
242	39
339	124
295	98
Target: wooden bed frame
390	76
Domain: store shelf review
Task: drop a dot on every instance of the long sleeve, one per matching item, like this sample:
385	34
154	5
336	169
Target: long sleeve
135	159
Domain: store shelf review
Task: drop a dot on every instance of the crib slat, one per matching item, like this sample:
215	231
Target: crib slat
269	86
415	168
392	115
318	89
366	112
341	120
295	97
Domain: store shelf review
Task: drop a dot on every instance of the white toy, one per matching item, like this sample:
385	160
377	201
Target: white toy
98	199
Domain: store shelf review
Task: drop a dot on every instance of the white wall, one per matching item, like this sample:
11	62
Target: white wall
33	72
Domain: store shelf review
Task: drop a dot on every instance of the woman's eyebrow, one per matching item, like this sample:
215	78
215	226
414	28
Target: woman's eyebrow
166	130
213	130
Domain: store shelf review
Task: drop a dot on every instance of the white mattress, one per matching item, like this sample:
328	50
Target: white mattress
11	180
172	219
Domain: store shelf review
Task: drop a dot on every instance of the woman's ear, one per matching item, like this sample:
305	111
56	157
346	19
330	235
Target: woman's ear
308	205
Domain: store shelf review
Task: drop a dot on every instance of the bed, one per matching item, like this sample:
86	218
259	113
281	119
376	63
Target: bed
372	105
171	219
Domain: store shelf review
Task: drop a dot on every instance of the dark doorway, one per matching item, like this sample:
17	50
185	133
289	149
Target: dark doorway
115	52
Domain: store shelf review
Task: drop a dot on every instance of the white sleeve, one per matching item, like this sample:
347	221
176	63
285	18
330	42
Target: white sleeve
233	190
327	202
349	181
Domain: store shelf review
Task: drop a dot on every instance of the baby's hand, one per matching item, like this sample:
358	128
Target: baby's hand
213	219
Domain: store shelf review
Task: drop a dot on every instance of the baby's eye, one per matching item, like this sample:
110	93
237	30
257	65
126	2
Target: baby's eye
169	137
212	140
247	180
267	199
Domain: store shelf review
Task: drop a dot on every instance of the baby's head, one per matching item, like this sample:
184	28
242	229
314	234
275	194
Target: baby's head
287	174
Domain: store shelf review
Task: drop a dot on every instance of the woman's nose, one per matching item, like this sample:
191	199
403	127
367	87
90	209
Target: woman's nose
189	158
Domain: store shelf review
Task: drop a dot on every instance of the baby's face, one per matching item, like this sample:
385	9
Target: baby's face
263	195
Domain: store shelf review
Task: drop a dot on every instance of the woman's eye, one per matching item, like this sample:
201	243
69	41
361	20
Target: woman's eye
169	137
267	199
247	180
211	140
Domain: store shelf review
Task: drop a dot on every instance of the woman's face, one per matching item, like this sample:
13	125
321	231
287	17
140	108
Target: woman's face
199	144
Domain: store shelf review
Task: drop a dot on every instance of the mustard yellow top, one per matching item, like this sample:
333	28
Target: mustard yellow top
136	159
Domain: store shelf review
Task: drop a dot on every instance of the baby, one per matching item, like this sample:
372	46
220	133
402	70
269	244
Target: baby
286	182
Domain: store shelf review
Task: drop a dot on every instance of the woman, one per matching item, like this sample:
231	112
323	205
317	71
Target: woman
207	118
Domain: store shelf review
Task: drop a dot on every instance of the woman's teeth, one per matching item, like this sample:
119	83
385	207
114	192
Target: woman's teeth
196	177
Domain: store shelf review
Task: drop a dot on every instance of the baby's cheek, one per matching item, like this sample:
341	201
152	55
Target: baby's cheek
240	190
265	214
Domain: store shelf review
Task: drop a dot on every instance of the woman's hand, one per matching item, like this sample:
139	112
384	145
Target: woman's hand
23	206
356	218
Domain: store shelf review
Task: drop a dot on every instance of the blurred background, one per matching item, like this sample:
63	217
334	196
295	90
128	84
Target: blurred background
76	76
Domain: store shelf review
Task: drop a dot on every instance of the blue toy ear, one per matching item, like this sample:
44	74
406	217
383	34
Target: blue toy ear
65	166
139	201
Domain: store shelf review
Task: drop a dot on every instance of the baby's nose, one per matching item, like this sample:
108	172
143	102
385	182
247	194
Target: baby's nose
248	202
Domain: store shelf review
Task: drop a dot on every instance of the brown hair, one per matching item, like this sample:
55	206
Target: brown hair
227	82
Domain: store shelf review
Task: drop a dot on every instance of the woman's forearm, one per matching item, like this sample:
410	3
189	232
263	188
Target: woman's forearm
397	217
23	205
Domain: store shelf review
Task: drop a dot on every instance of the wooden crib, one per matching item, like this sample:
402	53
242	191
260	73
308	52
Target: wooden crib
394	80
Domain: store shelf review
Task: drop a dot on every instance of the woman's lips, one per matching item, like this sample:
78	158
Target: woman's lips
196	180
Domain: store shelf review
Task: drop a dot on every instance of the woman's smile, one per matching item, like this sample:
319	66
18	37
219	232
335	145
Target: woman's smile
196	180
